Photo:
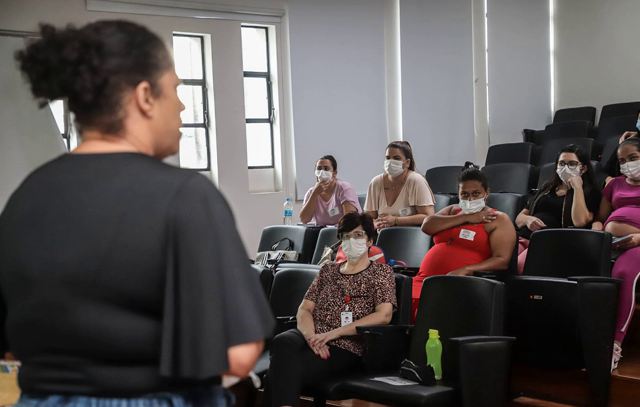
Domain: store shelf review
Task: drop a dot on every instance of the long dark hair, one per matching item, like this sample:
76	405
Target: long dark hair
92	66
407	151
588	180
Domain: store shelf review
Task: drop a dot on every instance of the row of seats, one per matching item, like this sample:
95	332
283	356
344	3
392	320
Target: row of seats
561	312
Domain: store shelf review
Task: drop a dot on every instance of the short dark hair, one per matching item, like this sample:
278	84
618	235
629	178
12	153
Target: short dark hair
331	158
406	149
471	172
352	220
92	66
631	141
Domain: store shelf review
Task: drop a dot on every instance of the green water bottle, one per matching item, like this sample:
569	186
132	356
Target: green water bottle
434	352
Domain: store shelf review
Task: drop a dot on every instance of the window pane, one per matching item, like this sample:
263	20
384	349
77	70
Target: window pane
259	145
254	49
187	55
191	98
256	101
57	108
193	148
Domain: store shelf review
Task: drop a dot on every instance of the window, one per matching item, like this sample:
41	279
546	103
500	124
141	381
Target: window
189	59
64	121
258	96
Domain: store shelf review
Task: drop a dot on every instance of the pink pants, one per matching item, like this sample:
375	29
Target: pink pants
523	248
626	268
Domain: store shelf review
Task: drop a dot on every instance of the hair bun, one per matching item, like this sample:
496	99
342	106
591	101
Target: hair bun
63	63
470	165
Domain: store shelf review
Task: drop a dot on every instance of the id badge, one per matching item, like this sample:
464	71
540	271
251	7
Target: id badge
334	211
467	234
346	317
405	212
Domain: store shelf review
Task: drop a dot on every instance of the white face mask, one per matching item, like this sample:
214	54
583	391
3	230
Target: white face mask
565	173
393	167
631	170
474	206
323	175
354	248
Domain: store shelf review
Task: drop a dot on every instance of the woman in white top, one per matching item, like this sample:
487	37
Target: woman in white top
399	196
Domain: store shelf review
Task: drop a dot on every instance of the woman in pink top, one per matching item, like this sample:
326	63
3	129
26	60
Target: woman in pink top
620	212
330	198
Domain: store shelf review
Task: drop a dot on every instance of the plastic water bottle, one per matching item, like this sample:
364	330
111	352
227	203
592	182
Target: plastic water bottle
434	352
287	213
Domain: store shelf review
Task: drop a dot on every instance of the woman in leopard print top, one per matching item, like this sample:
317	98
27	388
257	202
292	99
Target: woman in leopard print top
345	295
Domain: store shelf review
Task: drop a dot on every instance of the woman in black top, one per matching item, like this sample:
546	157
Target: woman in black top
568	199
123	280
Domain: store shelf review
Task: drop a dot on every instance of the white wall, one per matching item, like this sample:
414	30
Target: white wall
338	91
519	68
437	81
597	57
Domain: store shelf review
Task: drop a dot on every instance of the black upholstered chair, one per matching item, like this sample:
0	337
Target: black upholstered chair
612	128
545	172
406	243
568	253
511	204
444	200
510	153
619	109
326	238
516	178
564	324
444	180
362	198
303	239
551	148
475	361
584	113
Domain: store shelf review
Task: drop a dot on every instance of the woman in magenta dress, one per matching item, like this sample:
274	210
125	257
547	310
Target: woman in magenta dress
620	215
468	237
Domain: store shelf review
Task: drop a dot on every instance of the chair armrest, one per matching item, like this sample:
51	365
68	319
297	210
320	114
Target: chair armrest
481	369
386	346
406	271
498	275
594	279
284	323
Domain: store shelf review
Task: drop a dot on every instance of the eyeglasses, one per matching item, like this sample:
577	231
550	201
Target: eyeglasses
358	234
571	164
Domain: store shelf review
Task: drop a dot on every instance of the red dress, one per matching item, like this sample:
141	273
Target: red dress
454	248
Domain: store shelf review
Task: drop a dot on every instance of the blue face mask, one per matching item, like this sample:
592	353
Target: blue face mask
638	124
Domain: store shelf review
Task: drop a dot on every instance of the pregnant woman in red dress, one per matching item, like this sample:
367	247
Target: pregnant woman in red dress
468	237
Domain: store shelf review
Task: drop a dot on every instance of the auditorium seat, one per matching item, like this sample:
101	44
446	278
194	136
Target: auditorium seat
510	153
568	253
444	180
327	237
545	172
573	129
406	243
551	148
564	325
362	198
510	177
612	128
444	200
475	361
509	203
619	109
303	239
584	113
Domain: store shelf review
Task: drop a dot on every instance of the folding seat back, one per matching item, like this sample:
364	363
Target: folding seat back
362	198
444	200
481	313
516	178
510	153
573	129
613	127
444	180
287	292
566	253
511	204
619	109
302	238
545	172
406	243
551	148
585	113
402	316
326	238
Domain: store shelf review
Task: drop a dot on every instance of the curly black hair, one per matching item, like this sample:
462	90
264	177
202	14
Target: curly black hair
471	172
92	66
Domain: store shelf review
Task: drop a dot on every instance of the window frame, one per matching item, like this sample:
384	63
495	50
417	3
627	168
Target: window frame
271	109
202	83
